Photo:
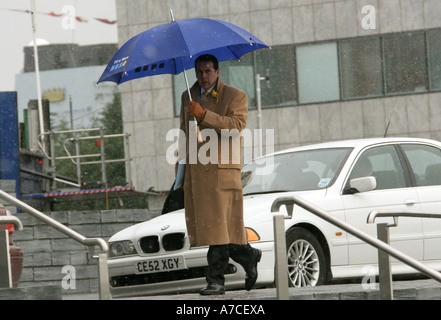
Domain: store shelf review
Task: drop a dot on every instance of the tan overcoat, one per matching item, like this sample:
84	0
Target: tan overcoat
213	188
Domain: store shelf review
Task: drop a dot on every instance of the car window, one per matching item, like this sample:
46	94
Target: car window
425	162
295	171
382	163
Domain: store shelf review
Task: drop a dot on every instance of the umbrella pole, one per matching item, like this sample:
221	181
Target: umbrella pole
198	131
186	82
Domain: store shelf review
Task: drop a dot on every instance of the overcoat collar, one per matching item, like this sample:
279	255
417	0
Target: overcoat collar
211	98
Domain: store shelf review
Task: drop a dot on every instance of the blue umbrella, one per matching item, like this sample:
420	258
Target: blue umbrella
173	47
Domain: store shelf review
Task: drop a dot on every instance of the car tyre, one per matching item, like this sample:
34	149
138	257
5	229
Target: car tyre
307	262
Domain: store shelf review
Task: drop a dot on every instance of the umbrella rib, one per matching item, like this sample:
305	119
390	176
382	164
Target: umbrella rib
186	46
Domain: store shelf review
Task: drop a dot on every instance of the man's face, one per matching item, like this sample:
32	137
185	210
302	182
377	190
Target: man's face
206	74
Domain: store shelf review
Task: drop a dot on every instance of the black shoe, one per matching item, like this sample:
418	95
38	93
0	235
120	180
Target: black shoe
212	289
251	269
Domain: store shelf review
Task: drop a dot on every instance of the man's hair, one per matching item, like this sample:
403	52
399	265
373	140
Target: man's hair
208	58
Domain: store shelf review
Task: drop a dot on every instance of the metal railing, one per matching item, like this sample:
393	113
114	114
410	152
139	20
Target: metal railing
103	273
16	222
5	261
78	157
279	224
385	274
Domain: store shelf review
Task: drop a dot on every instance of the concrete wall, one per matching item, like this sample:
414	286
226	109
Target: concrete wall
148	103
47	251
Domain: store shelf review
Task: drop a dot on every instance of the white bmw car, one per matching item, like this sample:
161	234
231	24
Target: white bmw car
155	257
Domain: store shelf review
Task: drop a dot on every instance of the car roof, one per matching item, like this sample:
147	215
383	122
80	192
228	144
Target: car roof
356	143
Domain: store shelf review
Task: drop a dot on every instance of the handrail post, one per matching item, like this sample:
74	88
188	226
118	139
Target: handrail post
103	158
52	161
384	273
78	160
127	159
5	259
103	277
281	267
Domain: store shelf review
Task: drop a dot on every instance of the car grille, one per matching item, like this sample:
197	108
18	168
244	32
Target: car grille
151	278
169	242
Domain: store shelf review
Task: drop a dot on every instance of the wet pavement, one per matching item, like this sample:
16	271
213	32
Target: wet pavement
426	289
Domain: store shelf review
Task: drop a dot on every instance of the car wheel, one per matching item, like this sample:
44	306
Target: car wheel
307	263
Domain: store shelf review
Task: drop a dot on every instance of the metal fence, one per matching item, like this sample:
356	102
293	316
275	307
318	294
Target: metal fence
80	159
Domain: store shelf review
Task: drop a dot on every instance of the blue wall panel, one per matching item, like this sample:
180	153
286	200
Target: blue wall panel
9	149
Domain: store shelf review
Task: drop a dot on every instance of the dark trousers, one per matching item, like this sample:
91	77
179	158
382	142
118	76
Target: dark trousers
218	256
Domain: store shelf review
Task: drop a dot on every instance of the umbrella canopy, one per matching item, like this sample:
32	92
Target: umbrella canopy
173	47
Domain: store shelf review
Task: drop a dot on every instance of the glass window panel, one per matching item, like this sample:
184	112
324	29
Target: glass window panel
240	74
405	63
426	164
383	164
434	52
317	70
361	68
279	65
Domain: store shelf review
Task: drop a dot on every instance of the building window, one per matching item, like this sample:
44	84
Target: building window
405	63
361	68
317	72
434	58
240	74
279	65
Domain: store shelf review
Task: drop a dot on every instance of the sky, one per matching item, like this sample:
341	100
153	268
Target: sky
16	29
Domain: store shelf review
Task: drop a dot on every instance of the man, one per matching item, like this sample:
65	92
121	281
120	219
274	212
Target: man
213	191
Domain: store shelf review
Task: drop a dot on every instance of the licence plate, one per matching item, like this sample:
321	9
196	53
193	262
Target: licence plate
159	265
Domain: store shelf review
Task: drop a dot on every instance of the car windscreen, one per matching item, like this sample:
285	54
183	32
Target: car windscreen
295	171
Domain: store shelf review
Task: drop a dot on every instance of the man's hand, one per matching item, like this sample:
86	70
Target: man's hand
196	110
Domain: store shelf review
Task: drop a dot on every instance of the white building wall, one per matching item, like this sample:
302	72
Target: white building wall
148	103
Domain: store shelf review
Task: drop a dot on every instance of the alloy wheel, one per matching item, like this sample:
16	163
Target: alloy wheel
303	264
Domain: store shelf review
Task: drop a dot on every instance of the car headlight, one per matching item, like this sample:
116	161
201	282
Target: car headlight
121	248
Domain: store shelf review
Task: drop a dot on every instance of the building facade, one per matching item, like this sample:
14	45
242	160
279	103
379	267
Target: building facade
338	69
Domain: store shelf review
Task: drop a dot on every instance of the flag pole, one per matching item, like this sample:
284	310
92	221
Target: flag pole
37	74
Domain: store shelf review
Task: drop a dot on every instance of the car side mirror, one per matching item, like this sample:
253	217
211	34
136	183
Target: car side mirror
363	184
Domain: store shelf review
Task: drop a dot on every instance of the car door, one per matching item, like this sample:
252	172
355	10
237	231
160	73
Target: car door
425	163
393	192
